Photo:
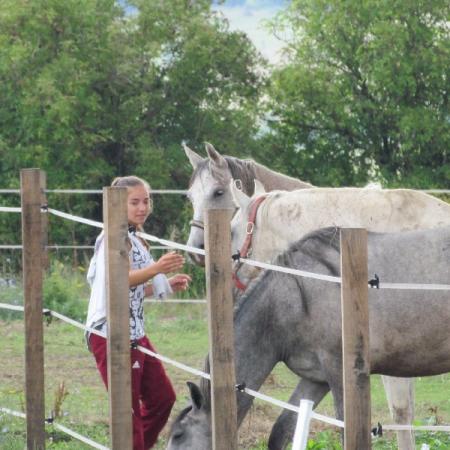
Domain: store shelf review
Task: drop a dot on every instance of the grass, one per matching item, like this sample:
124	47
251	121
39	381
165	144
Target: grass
180	332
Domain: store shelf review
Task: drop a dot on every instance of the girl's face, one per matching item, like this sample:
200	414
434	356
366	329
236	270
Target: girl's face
138	205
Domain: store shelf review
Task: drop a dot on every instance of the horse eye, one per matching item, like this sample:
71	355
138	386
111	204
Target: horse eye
218	193
177	434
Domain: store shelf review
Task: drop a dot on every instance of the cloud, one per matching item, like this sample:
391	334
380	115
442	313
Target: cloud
249	16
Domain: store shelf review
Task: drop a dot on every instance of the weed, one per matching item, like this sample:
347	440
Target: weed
61	393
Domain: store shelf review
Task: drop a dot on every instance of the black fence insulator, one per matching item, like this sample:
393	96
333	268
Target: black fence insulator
375	282
378	430
236	256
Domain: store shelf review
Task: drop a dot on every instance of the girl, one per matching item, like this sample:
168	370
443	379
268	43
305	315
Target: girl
152	393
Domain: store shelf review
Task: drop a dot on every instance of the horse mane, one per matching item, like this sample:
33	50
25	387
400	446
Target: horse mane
321	246
244	170
311	246
247	171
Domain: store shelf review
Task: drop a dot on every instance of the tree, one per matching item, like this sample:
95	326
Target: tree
365	92
93	89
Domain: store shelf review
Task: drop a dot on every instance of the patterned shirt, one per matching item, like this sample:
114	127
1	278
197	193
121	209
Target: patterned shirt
139	258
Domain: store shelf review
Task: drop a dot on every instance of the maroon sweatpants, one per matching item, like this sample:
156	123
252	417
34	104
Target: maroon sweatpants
152	392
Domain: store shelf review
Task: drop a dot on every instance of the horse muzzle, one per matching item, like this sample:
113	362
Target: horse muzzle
198	260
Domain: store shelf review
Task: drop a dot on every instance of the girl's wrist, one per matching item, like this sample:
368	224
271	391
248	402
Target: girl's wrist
154	270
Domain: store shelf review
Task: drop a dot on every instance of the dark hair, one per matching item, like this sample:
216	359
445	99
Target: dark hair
133	181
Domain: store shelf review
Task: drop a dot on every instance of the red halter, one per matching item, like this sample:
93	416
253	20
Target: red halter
246	246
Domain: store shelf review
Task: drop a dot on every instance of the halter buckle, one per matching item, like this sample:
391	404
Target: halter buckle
250	227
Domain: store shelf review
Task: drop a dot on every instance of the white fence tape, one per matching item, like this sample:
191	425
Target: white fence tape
10	209
147	236
78	436
64	429
169	191
51	247
64	215
181	301
382	285
301	273
74	247
13	413
94	191
172	244
11	307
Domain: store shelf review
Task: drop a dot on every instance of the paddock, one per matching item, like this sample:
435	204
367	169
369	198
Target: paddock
34	244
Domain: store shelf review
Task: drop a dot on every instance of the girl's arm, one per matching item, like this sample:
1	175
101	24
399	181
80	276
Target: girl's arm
170	262
179	282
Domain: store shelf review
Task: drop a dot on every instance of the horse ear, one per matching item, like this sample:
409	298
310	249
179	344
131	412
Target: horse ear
214	156
240	198
194	159
196	395
259	188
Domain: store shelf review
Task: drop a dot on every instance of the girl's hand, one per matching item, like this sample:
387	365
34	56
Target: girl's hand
170	262
179	282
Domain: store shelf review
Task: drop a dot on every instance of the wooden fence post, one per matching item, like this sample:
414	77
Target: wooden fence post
119	362
220	324
355	339
32	287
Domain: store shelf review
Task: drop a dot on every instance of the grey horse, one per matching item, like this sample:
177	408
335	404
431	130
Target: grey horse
298	321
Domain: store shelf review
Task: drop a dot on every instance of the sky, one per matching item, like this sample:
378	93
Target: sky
248	16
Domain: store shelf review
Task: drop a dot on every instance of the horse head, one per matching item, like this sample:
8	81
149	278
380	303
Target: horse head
208	188
191	430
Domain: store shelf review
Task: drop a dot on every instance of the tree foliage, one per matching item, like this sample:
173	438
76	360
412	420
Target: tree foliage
92	89
365	92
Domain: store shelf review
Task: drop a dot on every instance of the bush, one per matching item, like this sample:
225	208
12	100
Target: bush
66	291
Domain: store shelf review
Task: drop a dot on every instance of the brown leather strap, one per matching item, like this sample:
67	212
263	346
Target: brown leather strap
246	246
251	225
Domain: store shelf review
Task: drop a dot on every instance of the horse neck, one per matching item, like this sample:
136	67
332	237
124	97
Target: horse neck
254	360
272	180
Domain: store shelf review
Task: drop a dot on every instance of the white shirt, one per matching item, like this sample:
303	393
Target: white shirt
139	258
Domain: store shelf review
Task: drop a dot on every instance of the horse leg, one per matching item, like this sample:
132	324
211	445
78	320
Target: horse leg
400	397
283	430
336	382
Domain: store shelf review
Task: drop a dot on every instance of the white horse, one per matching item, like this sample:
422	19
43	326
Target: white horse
284	217
210	186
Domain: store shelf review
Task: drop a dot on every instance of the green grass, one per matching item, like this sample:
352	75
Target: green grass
180	332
